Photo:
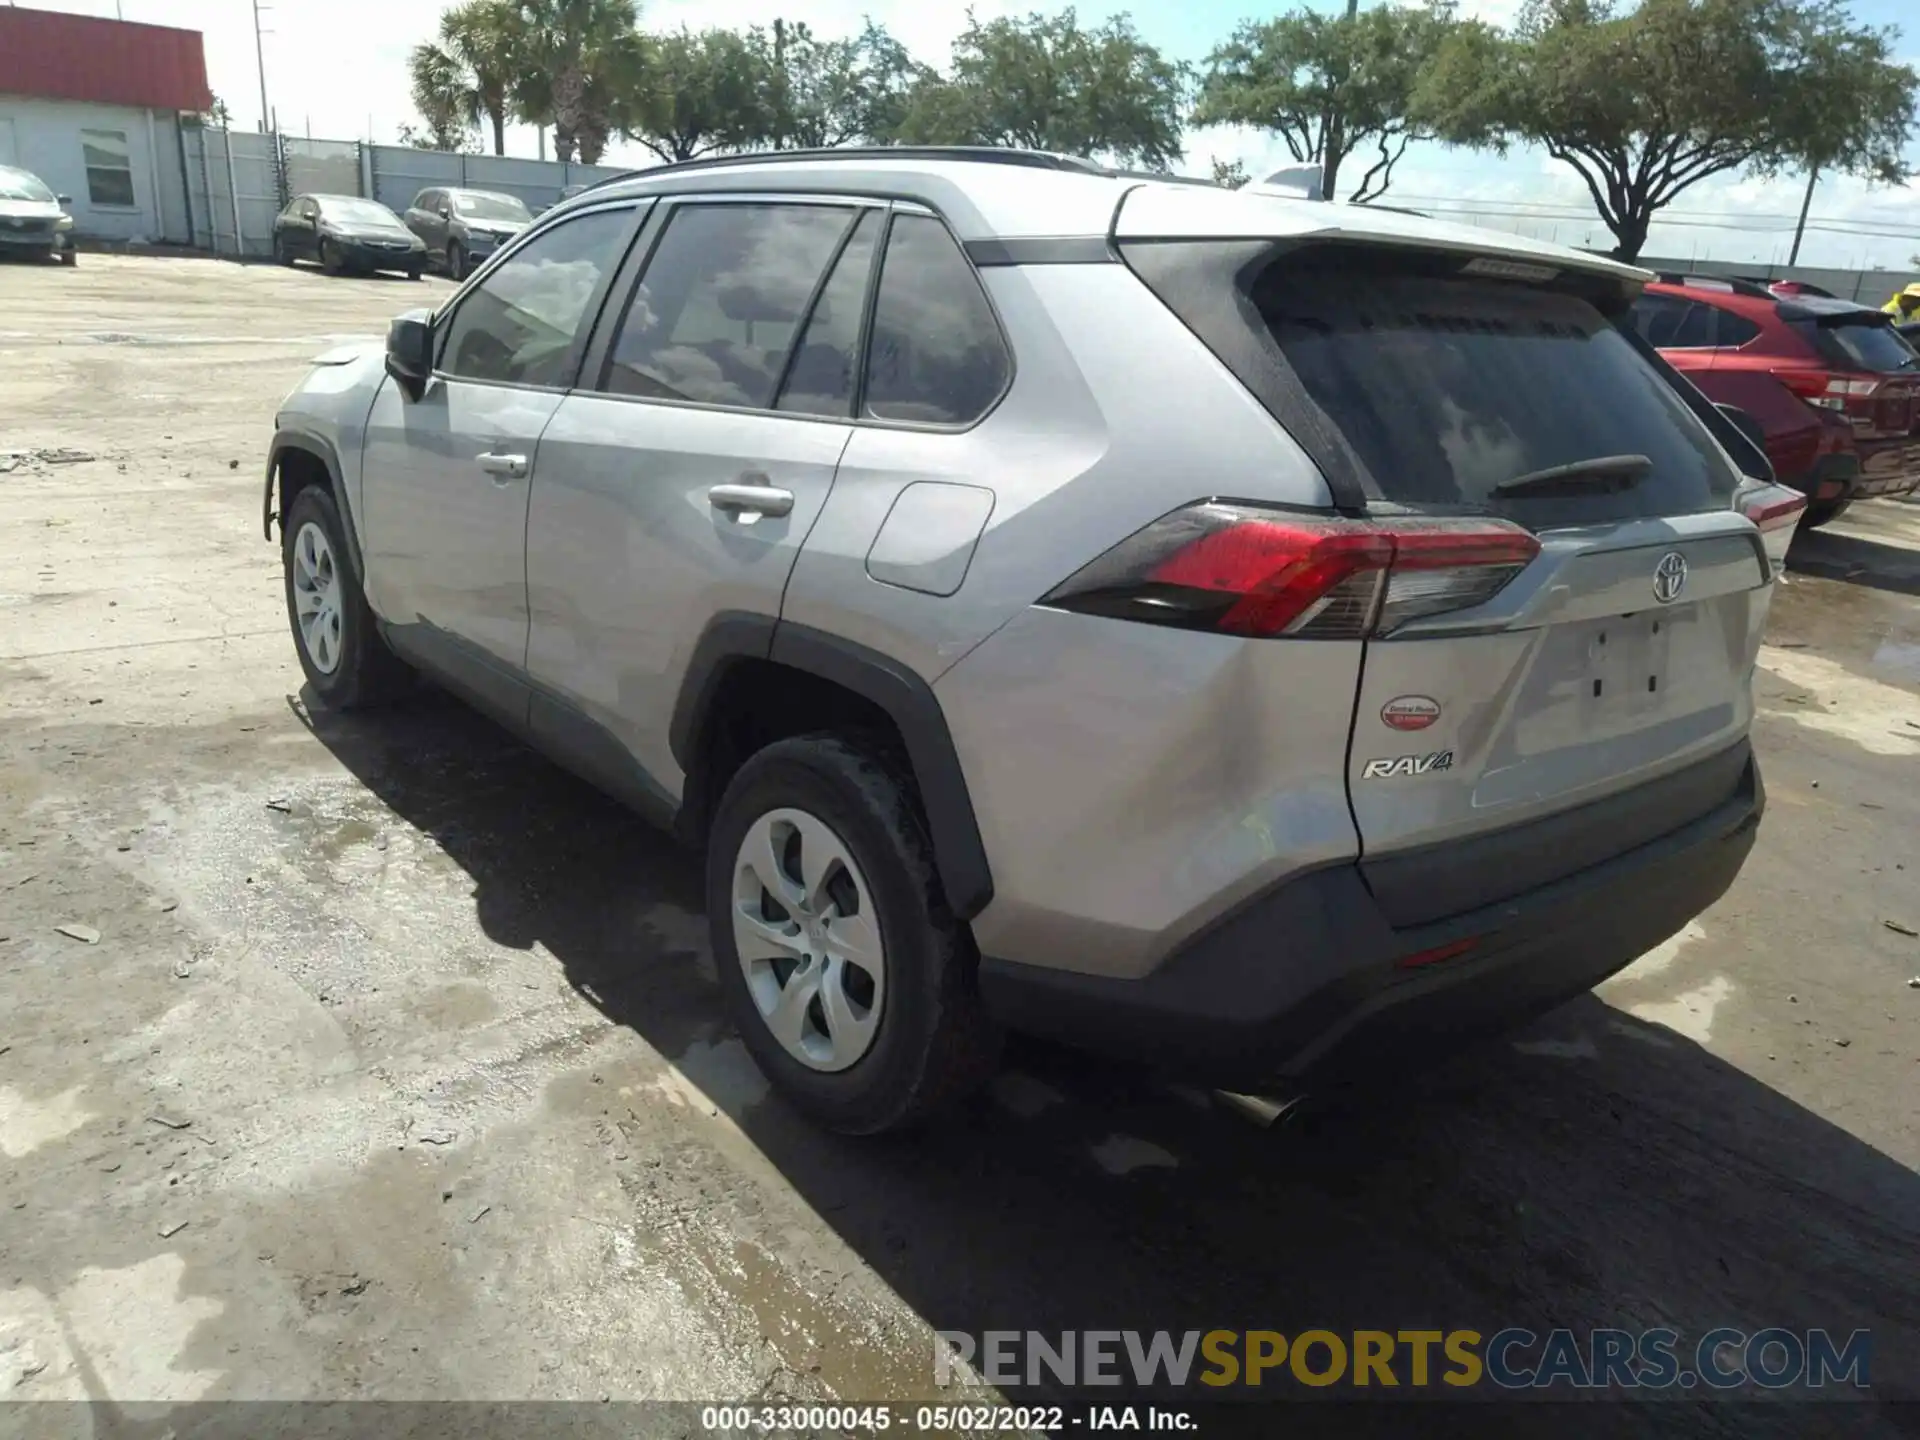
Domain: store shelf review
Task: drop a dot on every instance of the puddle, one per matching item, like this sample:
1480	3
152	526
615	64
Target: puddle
1690	1014
26	1125
1900	657
1123	1154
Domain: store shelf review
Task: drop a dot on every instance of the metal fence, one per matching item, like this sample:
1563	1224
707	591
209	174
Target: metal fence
238	180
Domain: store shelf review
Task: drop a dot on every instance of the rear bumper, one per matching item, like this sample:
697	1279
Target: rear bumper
1885	469
1303	988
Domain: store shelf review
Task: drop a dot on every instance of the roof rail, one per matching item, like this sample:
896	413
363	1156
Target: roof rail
1734	284
975	154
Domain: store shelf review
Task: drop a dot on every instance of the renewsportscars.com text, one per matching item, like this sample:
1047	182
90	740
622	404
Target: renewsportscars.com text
1510	1358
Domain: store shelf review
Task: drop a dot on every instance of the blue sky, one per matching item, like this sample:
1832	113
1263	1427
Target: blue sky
338	68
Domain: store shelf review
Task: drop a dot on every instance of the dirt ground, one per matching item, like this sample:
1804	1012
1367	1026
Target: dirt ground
396	1068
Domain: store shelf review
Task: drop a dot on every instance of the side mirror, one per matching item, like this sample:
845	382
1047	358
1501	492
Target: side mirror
410	351
1744	422
64	200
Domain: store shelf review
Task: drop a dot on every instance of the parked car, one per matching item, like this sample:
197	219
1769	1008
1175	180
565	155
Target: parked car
1832	355
1269	639
346	233
33	220
1796	287
460	228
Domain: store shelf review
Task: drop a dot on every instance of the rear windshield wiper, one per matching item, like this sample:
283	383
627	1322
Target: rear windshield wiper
1603	474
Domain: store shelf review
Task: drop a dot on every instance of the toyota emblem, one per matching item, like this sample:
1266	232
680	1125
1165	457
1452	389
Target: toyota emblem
1669	577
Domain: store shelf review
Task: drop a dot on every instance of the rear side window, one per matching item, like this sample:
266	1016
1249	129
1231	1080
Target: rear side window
937	356
1853	345
1734	330
714	315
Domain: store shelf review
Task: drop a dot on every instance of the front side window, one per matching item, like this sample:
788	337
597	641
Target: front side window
109	167
519	325
714	315
937	356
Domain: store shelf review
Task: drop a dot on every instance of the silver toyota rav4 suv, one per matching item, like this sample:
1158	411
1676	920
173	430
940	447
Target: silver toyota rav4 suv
1263	638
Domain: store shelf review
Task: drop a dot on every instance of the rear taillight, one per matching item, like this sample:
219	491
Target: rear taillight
1246	570
1775	511
1829	392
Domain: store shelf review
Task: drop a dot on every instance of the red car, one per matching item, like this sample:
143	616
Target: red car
1833	385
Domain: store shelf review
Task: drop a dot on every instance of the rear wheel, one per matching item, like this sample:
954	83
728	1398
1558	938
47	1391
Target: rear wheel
851	982
282	251
340	648
1814	516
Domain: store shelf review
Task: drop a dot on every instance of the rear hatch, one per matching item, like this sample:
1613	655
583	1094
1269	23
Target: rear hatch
1599	695
1871	374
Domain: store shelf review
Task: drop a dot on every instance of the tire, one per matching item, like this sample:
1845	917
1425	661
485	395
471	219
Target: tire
413	272
929	1043
1814	516
456	260
345	660
330	257
281	253
69	257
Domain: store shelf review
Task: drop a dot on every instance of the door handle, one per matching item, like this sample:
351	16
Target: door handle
750	502
510	467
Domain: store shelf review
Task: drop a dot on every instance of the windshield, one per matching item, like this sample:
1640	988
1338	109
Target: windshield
358	212
1858	345
19	185
492	207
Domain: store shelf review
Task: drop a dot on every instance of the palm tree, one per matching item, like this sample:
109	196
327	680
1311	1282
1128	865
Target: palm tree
578	68
470	72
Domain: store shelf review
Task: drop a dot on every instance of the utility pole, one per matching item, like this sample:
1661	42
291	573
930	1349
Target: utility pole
1813	178
260	58
780	77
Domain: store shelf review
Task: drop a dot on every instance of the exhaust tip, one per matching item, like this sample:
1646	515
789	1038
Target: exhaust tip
1266	1111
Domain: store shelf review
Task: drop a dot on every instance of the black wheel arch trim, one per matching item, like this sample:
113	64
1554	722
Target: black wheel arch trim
733	637
292	438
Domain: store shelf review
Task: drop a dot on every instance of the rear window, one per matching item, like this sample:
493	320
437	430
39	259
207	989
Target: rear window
1858	345
1437	388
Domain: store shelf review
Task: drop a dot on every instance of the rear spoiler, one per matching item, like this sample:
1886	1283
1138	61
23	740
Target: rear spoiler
1296	182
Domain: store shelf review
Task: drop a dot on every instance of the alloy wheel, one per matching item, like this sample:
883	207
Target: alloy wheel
808	939
317	598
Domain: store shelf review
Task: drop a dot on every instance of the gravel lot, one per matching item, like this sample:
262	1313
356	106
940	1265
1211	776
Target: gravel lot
395	1069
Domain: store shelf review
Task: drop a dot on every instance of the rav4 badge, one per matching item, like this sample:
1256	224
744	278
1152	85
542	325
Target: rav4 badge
1409	712
1393	767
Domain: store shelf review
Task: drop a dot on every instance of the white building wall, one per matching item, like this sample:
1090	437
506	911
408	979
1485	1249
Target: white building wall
44	136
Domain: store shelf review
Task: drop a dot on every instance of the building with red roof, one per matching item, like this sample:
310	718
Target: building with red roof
93	107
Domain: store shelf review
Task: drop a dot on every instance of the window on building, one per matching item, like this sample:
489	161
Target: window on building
109	167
